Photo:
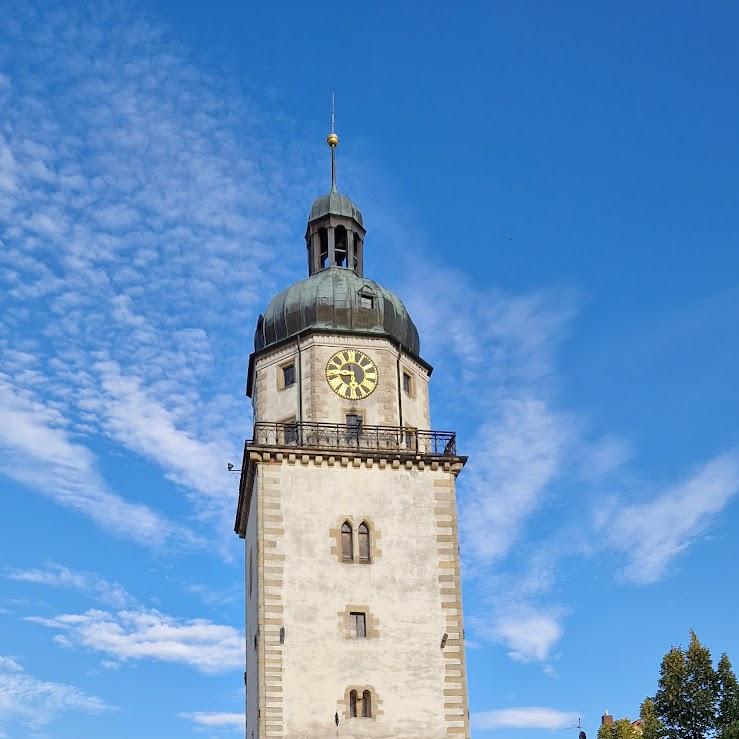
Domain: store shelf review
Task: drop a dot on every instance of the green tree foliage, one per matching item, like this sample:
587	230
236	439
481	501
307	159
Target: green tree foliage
686	699
728	699
671	697
650	723
621	729
730	732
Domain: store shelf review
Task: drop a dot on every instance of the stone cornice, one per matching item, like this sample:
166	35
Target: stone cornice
393	460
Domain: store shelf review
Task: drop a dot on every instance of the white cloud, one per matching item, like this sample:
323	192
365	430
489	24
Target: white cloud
498	351
525	718
87	582
650	535
529	636
34	702
214	719
146	426
38	451
150	634
135	186
9	664
519	456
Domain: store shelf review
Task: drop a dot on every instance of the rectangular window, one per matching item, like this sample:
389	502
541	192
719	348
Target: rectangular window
366	301
290	432
410	437
357	625
407	382
354	421
288	375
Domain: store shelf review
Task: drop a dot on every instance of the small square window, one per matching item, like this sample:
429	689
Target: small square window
288	375
357	625
407	382
367	301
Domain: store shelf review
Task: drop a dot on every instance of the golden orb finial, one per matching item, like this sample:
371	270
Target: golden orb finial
332	140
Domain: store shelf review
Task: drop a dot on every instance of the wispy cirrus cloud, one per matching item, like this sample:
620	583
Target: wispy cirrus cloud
135	184
533	717
149	634
37	449
86	582
498	352
33	703
651	535
505	343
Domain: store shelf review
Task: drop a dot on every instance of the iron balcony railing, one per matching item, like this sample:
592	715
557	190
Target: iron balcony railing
309	435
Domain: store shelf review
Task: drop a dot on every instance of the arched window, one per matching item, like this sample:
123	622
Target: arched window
341	247
366	704
347	543
323	252
353	704
364	542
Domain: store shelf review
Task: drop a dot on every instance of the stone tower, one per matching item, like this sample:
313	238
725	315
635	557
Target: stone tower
347	507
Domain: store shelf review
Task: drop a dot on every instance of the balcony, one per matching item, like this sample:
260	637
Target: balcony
338	437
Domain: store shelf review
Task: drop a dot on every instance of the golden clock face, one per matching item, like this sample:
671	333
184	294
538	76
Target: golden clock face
351	374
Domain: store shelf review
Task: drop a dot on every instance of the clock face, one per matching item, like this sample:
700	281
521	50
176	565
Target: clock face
351	374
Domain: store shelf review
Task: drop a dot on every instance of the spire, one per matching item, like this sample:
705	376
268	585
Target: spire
333	141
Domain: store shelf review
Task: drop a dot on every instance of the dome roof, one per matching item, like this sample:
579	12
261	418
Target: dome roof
336	204
336	299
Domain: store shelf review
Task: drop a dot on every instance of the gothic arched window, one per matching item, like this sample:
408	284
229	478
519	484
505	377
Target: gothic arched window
364	542
347	543
366	704
353	704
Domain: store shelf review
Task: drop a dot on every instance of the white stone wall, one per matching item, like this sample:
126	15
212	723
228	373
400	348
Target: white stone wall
319	403
251	560
404	664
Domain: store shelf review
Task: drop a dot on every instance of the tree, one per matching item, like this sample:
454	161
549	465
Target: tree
650	723
731	731
702	690
728	699
621	729
686	698
671	694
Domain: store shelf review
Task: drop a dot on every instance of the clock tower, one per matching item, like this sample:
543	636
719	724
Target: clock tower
347	510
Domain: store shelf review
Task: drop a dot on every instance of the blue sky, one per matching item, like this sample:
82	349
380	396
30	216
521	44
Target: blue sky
552	190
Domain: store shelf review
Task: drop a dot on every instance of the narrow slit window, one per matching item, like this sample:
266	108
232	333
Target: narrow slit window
353	704
364	542
347	543
357	625
366	704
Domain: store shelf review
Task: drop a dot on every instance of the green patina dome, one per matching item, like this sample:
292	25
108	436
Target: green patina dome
336	299
334	203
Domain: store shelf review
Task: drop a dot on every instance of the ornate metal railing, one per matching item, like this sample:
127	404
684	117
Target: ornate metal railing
309	435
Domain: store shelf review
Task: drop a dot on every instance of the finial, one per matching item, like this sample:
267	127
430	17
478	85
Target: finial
333	141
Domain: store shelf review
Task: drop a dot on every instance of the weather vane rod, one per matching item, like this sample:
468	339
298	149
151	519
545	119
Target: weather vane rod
333	141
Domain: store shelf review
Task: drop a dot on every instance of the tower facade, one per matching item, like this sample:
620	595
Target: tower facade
347	508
